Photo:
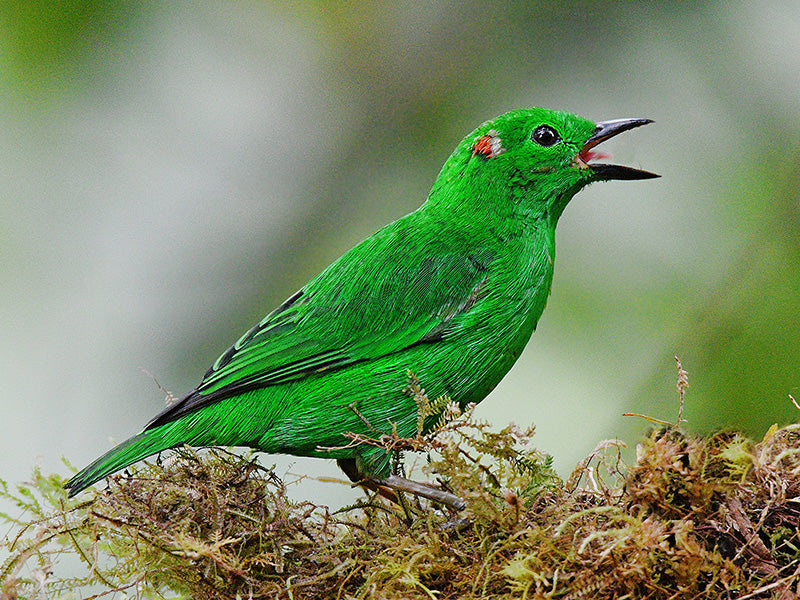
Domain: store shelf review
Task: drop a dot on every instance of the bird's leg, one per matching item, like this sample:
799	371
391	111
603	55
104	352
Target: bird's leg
353	474
381	490
421	489
386	487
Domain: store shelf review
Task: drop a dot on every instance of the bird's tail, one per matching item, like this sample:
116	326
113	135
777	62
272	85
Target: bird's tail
128	452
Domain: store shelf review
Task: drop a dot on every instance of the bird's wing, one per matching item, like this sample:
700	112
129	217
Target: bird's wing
383	296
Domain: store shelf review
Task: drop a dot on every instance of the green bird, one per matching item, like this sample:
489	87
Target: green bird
451	293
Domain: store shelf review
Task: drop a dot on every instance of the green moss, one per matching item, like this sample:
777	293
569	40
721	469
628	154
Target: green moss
713	517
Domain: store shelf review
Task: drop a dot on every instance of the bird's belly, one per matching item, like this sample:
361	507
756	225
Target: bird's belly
312	415
477	365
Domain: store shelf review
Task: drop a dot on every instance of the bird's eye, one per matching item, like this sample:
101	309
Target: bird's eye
544	135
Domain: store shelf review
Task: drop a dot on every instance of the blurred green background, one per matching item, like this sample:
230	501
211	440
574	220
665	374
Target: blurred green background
172	171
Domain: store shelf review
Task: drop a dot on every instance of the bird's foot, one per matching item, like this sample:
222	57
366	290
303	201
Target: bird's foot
424	490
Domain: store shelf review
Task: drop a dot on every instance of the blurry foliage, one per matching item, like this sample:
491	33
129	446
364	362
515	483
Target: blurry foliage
51	45
743	335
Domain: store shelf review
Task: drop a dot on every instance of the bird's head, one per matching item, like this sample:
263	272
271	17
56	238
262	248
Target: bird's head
537	158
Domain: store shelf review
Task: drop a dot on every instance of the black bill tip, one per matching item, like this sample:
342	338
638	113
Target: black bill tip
604	131
608	129
621	172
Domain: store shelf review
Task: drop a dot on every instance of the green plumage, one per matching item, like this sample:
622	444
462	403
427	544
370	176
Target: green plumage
450	292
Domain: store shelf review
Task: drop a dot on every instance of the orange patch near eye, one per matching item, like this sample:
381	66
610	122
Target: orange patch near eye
483	146
488	145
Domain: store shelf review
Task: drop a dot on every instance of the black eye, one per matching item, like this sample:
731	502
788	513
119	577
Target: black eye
544	135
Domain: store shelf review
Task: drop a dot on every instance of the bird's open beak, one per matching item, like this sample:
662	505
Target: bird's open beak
605	130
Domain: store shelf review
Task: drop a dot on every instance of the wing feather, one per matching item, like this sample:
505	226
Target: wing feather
379	298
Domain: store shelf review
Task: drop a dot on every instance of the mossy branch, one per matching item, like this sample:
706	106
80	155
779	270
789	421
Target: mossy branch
713	517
